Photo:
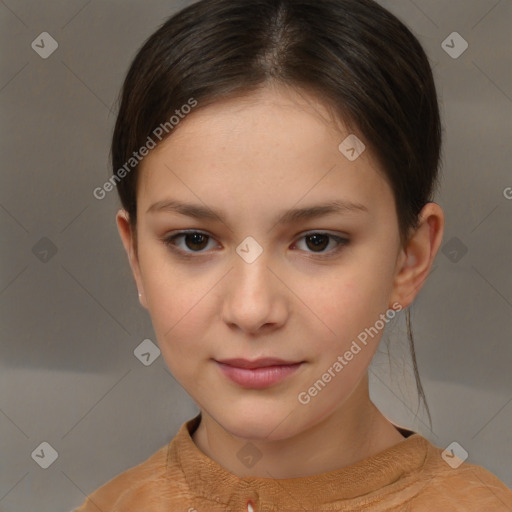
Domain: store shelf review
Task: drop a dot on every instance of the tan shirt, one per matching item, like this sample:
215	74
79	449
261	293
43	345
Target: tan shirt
408	477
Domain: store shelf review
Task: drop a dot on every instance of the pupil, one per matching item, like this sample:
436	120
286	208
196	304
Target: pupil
316	242
196	240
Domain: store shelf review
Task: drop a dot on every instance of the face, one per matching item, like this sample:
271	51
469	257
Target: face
252	282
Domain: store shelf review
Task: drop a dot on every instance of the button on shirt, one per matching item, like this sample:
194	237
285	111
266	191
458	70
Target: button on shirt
410	476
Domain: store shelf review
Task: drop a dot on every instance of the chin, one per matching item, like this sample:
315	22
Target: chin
257	424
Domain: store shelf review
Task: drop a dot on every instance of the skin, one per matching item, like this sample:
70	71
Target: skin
252	158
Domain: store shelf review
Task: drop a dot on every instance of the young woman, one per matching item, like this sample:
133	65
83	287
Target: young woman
276	162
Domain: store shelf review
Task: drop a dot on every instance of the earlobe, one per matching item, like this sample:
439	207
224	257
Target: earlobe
416	259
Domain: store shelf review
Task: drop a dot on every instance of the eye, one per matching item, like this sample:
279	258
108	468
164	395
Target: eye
318	241
196	241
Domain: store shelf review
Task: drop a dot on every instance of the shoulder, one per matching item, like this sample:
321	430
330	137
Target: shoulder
152	486
137	484
464	488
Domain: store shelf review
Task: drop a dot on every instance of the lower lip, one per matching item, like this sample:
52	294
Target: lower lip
258	378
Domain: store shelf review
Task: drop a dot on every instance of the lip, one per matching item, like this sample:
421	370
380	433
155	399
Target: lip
258	377
262	362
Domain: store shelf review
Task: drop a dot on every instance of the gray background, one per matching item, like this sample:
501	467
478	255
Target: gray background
71	319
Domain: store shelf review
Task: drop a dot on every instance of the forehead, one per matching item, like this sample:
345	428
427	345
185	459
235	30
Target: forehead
276	145
269	118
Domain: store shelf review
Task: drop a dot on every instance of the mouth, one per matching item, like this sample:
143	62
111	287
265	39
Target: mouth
264	362
258	374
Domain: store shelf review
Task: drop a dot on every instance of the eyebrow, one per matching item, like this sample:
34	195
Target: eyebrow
288	217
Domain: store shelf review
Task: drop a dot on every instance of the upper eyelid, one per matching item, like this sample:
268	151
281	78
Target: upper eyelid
300	235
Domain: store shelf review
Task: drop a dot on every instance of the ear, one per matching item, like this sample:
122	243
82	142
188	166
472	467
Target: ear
129	241
415	260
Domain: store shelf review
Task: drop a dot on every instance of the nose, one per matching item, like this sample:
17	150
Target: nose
254	296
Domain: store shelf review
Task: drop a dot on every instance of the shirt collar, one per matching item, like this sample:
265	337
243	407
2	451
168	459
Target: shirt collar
208	479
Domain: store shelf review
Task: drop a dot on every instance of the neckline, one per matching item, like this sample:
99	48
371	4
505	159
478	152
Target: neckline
204	475
404	431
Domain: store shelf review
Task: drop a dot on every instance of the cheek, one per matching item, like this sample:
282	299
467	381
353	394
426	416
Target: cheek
180	323
350	309
351	300
178	311
176	302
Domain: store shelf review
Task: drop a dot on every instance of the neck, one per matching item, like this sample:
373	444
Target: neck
354	431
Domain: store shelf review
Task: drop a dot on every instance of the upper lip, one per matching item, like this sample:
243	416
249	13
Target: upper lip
257	363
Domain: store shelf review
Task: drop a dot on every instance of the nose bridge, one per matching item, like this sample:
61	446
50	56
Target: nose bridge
251	273
253	295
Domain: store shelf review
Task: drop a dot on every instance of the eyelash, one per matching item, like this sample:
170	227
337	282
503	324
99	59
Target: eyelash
169	241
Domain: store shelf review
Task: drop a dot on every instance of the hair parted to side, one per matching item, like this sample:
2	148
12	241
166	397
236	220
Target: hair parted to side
362	62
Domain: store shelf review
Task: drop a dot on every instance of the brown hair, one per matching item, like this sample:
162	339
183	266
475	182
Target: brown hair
354	55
